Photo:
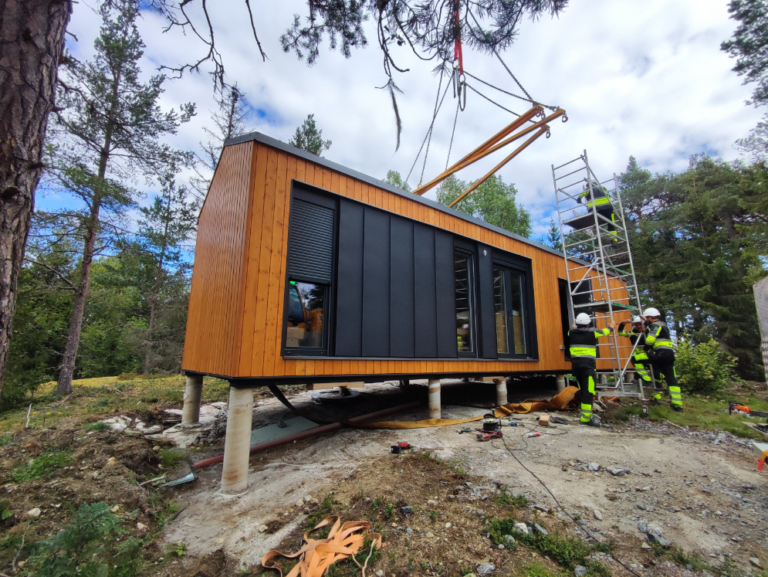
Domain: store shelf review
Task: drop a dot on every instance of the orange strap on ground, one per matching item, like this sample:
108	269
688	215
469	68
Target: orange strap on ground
557	403
318	554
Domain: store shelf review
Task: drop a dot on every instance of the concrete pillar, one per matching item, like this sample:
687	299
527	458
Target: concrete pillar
193	393
237	443
560	383
434	399
603	378
501	392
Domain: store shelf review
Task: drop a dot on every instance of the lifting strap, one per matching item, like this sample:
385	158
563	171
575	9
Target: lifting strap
318	554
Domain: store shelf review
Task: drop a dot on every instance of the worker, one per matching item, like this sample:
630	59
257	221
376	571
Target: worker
583	349
661	352
640	361
602	204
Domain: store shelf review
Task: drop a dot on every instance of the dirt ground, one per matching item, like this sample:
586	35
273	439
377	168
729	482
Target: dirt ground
700	490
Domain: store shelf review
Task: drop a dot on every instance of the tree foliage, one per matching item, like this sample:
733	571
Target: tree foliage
697	239
749	45
310	138
394	178
493	201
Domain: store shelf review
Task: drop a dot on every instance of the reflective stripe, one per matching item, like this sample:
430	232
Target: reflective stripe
663	344
589	352
599	201
602	332
591	385
640	357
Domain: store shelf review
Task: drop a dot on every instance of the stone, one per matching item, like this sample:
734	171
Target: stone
617	471
408	530
141	527
406	510
501	547
540	530
447	525
522	527
308	498
509	539
480	512
642	526
34	513
115	509
379	573
755	561
598	514
640	506
263	529
299	503
432	503
485	569
579	571
594	466
658	539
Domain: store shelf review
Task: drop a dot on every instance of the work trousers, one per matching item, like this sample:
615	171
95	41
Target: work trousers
663	363
608	213
586	377
642	368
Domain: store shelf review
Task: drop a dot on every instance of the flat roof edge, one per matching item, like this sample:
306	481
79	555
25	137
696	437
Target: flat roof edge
273	142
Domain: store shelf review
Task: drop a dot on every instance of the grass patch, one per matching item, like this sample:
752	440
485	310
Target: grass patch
504	499
711	414
681	557
624	413
323	510
5	440
97	427
171	457
537	569
42	466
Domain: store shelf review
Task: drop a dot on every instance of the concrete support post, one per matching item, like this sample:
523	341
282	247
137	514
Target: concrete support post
434	399
501	392
237	443
560	383
193	392
603	378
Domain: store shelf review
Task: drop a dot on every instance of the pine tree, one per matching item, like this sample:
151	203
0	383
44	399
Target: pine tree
309	138
553	236
107	133
749	45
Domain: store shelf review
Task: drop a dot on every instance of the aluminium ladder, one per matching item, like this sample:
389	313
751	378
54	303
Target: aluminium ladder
599	268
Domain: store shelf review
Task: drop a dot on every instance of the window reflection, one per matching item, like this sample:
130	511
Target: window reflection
306	302
463	287
500	310
518	326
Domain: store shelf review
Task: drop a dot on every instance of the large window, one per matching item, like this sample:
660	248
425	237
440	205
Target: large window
465	330
510	311
305	319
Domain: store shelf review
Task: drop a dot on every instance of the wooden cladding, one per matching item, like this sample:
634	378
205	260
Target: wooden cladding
235	322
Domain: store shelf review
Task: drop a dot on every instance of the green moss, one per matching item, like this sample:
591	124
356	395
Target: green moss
42	466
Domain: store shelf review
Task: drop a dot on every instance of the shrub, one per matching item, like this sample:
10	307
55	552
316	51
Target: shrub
42	466
704	368
92	543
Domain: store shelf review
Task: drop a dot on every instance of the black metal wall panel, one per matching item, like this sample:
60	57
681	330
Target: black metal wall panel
485	314
424	287
349	288
311	242
445	295
376	245
401	311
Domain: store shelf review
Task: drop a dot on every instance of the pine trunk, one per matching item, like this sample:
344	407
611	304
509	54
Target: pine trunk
31	41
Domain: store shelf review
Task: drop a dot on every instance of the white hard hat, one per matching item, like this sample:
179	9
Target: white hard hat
637	320
583	319
651	312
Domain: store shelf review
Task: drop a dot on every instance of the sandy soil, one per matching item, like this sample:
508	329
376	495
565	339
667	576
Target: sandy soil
700	490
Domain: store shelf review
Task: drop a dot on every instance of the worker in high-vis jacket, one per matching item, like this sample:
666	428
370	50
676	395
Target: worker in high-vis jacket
596	196
661	352
583	350
640	361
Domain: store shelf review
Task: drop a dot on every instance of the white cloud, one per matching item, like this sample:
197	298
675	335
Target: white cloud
637	78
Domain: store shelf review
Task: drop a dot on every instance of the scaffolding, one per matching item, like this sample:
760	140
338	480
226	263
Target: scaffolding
599	268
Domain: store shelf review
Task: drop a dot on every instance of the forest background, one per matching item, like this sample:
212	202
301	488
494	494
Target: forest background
105	284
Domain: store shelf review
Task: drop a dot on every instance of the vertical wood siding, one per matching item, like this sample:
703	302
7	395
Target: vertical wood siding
214	322
242	247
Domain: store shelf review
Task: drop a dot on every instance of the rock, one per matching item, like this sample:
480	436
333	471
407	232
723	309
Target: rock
430	535
755	561
308	498
432	503
447	525
263	529
141	527
540	508
522	527
640	506
34	513
485	569
540	530
658	539
153	430
407	510
594	466
408	530
300	503
132	433
379	573
598	514
501	547
509	539
579	571
118	424
642	526
115	509
480	512
617	471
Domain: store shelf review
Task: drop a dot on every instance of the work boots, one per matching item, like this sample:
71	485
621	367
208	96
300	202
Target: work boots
677	408
593	422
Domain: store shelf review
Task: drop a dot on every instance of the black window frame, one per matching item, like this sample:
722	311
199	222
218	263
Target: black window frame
460	246
315	196
522	266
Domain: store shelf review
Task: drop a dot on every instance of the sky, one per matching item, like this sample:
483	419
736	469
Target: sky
646	79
